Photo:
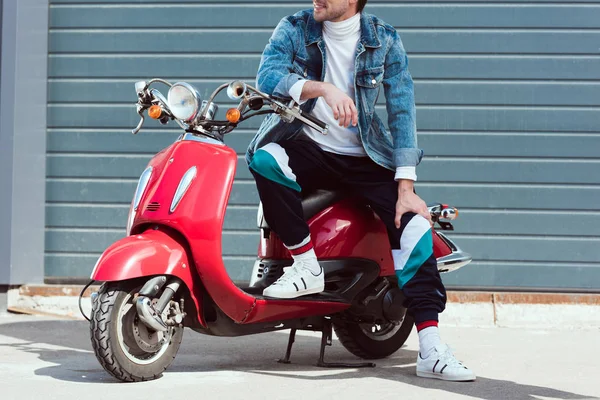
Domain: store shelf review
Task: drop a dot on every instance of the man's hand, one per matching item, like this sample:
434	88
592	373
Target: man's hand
340	103
408	201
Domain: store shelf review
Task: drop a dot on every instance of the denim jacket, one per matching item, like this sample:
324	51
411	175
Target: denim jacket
296	51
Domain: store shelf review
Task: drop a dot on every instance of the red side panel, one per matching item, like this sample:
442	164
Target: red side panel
346	230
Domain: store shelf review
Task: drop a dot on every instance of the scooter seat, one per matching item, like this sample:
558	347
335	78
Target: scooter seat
312	203
315	202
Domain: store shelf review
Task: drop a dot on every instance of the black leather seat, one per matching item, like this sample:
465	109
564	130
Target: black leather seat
315	202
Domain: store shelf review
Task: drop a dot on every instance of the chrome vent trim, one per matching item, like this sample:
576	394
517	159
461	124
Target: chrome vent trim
184	185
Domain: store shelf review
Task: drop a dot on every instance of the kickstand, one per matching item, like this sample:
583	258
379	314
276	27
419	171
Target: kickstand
288	352
326	341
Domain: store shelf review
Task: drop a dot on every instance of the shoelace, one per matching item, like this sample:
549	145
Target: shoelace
447	357
288	272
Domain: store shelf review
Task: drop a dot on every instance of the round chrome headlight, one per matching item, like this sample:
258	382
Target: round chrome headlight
184	101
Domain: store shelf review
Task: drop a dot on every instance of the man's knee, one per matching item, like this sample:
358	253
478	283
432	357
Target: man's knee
271	162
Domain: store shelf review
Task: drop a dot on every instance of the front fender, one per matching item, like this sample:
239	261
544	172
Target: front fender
153	252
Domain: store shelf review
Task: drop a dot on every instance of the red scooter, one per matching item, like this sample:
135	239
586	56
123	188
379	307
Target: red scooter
169	273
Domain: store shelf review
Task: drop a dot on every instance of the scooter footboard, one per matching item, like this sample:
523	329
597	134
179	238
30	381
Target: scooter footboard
153	252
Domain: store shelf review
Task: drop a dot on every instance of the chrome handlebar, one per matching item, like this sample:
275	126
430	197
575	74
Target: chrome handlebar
236	90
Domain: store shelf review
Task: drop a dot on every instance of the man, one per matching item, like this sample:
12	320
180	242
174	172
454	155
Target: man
333	60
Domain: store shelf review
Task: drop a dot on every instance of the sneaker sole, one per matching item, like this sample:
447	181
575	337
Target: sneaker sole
294	294
424	374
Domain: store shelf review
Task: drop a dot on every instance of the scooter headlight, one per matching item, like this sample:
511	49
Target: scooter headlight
184	101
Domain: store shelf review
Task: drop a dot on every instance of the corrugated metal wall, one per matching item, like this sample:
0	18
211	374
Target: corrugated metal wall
508	99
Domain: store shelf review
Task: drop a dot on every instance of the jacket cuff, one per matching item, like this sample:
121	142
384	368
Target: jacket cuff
285	85
296	91
406	173
407	157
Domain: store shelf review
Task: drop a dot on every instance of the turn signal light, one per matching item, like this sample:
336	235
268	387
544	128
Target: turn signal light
233	115
155	112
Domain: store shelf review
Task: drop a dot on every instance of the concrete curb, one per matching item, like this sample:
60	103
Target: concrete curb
481	309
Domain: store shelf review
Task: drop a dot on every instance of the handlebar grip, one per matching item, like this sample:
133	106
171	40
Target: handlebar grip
316	121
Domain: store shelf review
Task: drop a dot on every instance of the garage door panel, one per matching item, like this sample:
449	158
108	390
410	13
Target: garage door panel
503	196
428	118
440	15
443	143
245	66
101	140
526	248
515	275
218	40
109	90
466	92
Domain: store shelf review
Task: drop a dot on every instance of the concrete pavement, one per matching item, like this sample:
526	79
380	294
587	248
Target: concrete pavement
48	358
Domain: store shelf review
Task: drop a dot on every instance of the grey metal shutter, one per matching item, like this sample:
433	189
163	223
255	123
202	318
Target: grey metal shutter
508	98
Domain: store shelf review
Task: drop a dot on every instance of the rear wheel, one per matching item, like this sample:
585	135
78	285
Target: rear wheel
373	341
126	348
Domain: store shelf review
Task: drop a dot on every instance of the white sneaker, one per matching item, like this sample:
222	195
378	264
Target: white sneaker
441	364
297	280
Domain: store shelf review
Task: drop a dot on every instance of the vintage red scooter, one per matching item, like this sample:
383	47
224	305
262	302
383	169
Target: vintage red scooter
169	273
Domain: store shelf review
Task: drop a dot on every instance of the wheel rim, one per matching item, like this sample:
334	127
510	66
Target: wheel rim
380	332
139	344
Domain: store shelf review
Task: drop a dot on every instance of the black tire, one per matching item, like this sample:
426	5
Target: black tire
373	345
117	351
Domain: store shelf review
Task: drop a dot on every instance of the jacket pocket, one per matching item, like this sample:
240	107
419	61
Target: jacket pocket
370	78
368	84
300	67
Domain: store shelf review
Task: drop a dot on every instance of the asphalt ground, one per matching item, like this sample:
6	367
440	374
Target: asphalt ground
48	358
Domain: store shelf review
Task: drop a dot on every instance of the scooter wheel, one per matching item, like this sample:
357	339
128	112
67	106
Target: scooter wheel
124	346
373	341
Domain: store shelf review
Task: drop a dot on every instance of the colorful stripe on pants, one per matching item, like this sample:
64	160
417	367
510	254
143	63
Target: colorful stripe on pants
416	246
271	161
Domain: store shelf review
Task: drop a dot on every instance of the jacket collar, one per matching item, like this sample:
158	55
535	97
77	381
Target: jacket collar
368	34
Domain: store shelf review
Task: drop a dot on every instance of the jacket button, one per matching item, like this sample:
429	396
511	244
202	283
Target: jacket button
373	81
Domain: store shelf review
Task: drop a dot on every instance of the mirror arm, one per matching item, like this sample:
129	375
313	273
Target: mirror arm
140	111
212	97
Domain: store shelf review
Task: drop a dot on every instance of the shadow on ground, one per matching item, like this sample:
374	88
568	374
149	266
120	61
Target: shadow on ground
75	362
